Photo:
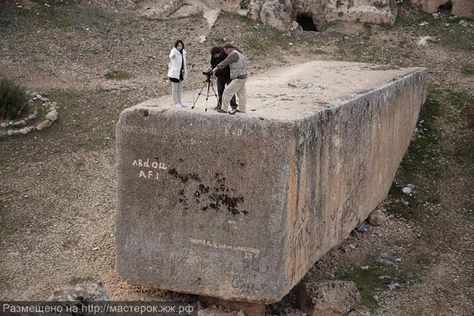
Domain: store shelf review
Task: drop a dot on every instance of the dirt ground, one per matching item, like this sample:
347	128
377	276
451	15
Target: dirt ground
57	186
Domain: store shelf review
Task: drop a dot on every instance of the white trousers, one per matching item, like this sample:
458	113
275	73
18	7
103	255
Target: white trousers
176	89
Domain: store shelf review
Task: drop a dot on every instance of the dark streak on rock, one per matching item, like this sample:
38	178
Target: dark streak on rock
219	198
184	178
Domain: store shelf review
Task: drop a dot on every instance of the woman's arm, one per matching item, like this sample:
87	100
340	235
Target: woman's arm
172	53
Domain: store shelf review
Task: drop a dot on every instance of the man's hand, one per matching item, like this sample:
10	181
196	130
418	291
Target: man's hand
214	71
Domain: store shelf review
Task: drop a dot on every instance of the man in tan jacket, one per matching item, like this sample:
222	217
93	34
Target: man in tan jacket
238	74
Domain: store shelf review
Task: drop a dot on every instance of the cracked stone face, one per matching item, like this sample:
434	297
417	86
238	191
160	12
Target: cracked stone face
239	207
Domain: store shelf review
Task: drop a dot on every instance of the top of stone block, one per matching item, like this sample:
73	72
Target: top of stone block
294	92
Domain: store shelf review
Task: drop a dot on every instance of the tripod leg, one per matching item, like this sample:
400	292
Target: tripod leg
200	92
215	94
207	95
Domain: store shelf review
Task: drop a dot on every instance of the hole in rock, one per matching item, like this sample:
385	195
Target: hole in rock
306	22
446	8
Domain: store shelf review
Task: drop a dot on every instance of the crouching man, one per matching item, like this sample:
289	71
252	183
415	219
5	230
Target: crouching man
238	74
223	77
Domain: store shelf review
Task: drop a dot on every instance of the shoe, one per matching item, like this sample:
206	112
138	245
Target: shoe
232	111
182	105
219	109
178	105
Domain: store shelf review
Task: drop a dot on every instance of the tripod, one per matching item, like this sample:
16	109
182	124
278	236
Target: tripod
209	84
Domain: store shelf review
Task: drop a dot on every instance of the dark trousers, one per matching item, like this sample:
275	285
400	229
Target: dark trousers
221	82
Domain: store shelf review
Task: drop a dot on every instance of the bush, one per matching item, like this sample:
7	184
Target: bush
13	100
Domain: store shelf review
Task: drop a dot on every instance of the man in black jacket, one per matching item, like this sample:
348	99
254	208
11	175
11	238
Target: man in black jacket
223	76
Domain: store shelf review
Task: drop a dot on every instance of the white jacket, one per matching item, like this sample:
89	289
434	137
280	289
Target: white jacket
174	67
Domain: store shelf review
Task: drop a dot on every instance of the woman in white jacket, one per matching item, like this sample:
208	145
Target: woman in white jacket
177	71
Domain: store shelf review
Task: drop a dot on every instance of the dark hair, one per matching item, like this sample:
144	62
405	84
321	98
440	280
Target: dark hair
216	50
178	42
228	45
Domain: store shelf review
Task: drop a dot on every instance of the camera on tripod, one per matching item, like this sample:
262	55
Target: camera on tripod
208	83
208	75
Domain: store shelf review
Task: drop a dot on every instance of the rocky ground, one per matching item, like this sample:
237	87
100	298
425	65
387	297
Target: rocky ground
57	186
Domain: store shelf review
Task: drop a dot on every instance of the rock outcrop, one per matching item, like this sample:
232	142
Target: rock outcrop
310	14
280	13
463	8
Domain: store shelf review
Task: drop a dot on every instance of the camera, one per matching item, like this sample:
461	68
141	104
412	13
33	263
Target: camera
208	75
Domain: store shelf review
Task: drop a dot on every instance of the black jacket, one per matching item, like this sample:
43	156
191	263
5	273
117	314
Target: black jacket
223	73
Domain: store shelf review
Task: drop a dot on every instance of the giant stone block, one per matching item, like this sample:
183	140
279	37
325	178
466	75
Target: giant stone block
239	207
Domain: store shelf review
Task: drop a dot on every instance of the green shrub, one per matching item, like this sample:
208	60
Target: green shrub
13	100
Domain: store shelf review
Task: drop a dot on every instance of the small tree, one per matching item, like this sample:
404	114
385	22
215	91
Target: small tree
13	100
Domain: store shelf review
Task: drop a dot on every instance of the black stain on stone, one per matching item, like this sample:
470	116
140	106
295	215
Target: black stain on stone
184	177
194	176
174	172
220	198
182	197
224	201
203	189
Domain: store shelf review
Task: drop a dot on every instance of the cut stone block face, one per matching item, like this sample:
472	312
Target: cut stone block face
239	207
